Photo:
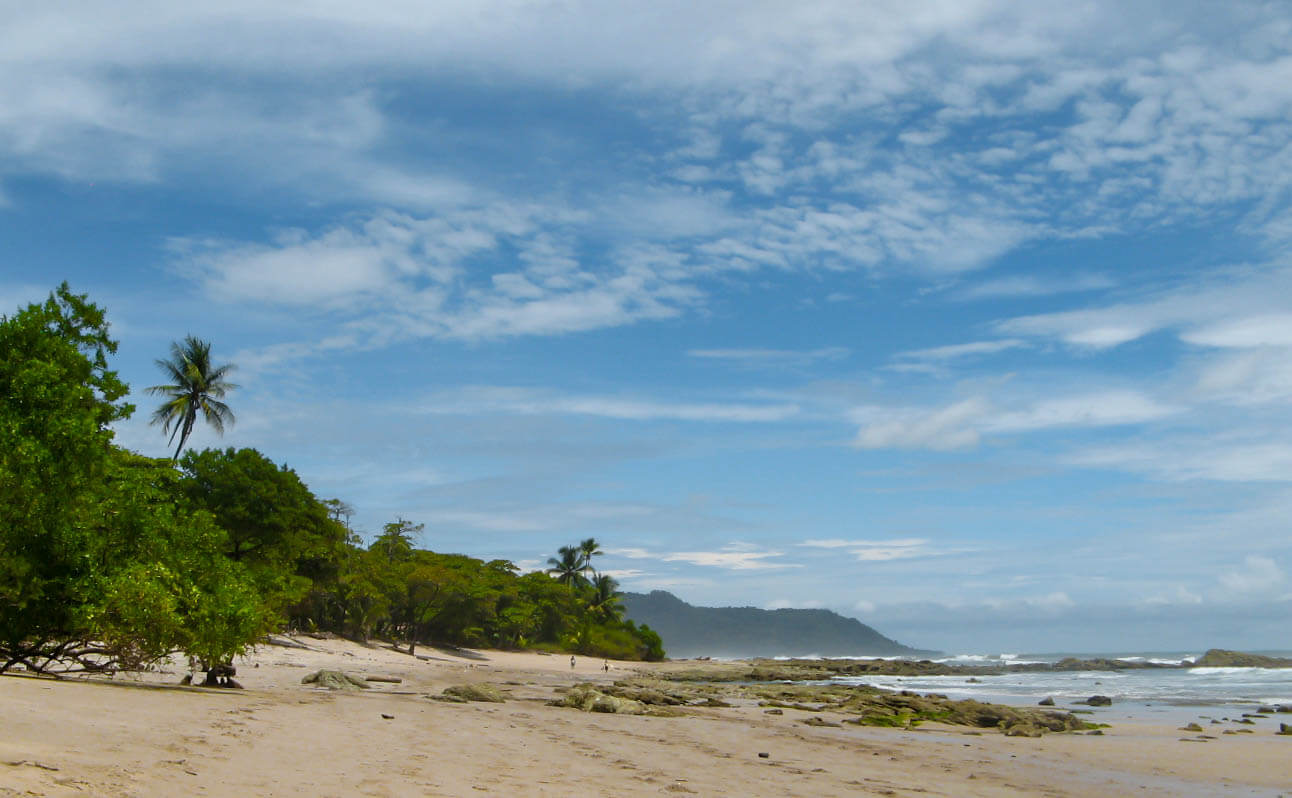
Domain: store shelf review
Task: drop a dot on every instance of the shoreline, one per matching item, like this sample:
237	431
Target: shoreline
279	737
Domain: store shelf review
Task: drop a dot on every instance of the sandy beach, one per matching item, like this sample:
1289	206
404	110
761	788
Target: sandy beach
143	735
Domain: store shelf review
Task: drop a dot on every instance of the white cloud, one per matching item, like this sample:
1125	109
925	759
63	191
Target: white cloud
1245	333
1179	459
1101	409
877	550
525	401
731	558
1229	307
956	351
630	553
1258	574
1029	285
950	427
962	424
772	357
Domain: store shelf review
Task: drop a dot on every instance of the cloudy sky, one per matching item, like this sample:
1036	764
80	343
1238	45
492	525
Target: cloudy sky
971	319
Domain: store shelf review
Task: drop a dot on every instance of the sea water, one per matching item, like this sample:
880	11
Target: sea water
1156	694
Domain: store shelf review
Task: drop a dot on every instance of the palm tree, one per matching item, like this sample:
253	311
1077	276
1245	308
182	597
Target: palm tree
587	550
605	598
567	566
196	387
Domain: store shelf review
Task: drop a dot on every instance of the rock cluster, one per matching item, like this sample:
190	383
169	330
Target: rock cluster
335	680
463	693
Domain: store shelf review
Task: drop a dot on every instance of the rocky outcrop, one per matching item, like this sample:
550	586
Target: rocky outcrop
589	699
873	707
485	693
335	680
1222	658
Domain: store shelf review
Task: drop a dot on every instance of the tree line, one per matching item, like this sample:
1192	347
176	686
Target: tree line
112	560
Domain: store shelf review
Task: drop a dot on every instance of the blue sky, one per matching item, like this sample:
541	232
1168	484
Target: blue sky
970	319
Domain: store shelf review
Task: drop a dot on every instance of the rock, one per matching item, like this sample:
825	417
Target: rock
1024	729
232	683
973	680
589	699
334	680
387	717
1096	733
712	702
1098	701
1283	708
763	755
1191	727
1285	728
773	712
817	720
1045	702
188	679
476	692
1222	658
386	679
1266	710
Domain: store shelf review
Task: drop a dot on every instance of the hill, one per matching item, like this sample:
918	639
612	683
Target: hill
690	631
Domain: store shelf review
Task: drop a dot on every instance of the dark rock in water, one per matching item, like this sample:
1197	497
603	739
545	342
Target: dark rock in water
1285	728
1191	727
1222	658
973	680
763	755
773	712
1045	702
1284	708
1098	701
1266	710
387	717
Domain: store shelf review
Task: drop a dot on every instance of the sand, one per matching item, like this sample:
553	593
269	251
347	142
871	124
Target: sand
140	735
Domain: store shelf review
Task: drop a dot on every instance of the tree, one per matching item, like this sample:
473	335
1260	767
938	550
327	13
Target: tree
272	523
396	540
100	568
588	549
196	387
567	566
604	603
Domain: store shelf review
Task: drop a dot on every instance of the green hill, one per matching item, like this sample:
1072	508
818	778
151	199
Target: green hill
690	631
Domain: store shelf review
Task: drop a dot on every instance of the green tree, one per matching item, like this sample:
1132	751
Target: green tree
567	566
396	540
272	523
605	602
99	566
588	549
196	387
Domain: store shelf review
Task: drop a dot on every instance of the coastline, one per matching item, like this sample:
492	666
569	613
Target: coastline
279	737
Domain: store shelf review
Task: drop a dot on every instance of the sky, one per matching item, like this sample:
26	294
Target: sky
971	319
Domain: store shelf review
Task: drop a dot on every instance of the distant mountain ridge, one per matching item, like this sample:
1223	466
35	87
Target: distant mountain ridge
690	631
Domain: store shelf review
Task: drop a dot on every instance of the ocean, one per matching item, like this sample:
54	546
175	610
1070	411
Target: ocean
1167	695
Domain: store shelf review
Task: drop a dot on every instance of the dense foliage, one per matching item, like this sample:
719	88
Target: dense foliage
111	560
101	566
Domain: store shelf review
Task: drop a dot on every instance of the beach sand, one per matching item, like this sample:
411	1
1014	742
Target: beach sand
139	735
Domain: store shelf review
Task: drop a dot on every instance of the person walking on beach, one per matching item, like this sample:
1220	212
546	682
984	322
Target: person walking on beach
571	662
